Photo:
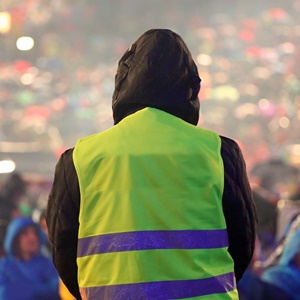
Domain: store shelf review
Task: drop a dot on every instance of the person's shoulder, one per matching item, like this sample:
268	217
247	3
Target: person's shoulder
5	263
40	262
41	258
95	136
229	143
65	158
230	149
5	269
231	153
67	153
44	265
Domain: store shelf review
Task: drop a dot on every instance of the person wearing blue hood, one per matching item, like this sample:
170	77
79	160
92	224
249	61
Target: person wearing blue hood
24	272
286	274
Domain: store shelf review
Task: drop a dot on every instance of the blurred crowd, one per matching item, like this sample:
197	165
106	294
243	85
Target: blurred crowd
26	268
248	55
60	90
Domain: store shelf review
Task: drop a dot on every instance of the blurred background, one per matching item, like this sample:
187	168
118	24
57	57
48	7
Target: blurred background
58	59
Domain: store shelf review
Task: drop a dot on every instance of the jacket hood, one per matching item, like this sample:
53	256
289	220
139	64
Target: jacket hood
291	249
13	229
157	71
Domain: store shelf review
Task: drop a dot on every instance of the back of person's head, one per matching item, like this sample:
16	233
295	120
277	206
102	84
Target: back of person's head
15	183
157	71
13	189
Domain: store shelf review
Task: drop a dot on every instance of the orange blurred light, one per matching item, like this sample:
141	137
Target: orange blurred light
5	22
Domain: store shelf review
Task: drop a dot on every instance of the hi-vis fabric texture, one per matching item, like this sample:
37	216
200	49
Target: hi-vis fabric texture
151	222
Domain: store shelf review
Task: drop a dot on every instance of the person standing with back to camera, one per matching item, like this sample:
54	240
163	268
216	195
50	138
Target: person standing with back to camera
154	207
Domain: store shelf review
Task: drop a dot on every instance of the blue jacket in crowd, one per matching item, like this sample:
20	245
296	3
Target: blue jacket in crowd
286	274
26	280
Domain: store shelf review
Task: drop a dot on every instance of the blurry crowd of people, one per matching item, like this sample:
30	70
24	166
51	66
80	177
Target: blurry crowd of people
248	56
26	268
60	90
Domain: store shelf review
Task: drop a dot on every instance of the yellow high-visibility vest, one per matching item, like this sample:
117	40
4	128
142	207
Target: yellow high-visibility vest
151	217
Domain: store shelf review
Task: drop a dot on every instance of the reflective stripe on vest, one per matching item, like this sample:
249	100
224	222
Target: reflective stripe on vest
151	218
147	240
179	289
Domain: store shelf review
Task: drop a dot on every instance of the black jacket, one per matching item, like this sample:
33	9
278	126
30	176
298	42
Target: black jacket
158	59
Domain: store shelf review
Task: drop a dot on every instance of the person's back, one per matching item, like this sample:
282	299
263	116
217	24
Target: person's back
162	214
153	208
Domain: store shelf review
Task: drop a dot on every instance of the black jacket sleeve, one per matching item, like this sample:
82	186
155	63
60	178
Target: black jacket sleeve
62	220
238	207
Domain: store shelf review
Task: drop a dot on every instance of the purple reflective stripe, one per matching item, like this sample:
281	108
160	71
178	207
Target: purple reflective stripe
164	289
147	240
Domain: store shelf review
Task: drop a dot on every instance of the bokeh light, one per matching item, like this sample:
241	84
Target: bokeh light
5	22
7	166
25	43
284	122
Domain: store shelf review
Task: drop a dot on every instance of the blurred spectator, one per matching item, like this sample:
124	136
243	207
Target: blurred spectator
267	216
5	214
274	257
286	274
271	181
24	272
257	289
11	192
252	287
